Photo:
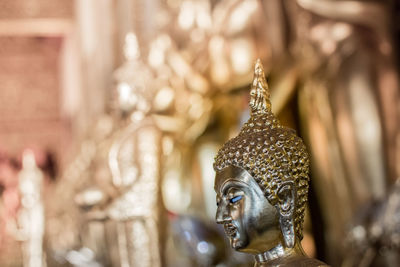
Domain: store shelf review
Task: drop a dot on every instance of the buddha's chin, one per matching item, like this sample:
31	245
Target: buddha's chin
237	243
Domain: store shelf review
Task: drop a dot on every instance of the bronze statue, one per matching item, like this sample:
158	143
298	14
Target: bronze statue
261	184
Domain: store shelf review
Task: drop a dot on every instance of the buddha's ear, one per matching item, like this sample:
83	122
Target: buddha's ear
286	200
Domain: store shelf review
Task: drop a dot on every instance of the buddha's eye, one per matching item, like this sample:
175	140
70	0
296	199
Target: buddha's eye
235	199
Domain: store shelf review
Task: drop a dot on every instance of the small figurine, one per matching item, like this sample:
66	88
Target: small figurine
31	215
261	184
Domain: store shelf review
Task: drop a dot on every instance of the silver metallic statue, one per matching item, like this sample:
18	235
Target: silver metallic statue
261	184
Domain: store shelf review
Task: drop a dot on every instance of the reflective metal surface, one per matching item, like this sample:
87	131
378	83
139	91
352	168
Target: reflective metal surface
202	242
262	184
247	216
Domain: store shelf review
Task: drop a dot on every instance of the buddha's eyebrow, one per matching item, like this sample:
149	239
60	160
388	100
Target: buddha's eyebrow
231	182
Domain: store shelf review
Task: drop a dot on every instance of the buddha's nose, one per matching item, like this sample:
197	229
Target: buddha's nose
221	215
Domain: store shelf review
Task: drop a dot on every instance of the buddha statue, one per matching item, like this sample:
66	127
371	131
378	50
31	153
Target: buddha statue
261	184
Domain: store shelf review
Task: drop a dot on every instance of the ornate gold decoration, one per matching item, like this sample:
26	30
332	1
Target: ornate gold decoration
271	153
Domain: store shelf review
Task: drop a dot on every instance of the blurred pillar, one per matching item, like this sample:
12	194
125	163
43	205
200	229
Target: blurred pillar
95	24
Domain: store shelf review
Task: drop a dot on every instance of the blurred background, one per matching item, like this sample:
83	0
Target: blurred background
111	112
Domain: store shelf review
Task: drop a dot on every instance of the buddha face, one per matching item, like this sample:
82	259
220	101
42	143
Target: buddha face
250	222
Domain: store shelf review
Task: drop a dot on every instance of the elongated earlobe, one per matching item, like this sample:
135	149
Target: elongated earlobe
286	196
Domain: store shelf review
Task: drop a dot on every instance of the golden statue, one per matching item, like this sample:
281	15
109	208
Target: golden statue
262	183
134	160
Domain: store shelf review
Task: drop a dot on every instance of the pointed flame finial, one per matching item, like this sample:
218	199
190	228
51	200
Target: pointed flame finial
259	94
131	47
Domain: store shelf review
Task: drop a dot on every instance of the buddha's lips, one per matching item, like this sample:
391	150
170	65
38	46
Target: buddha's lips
230	229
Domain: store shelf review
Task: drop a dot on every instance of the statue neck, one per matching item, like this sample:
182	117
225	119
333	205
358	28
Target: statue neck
279	251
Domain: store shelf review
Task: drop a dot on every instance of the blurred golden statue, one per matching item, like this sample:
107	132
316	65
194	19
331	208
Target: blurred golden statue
31	215
134	162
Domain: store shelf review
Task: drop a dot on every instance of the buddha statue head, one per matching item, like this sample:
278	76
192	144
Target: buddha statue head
262	181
